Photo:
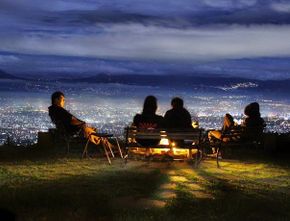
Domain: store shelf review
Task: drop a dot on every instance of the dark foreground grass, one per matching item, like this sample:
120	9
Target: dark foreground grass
55	187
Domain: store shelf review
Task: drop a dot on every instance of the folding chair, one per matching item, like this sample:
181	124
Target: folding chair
65	135
106	145
69	137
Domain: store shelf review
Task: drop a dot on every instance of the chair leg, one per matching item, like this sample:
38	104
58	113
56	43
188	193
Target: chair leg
218	155
190	154
119	148
85	152
198	159
109	146
126	156
106	152
199	156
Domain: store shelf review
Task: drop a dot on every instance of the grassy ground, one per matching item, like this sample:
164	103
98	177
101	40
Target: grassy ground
68	188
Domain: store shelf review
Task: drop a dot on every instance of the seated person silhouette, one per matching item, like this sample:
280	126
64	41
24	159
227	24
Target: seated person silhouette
251	127
253	124
178	118
148	119
70	123
228	125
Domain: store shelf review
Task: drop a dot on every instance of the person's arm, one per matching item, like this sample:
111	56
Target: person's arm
75	121
71	119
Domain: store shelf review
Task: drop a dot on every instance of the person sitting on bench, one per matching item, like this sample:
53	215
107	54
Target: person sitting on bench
69	122
148	119
177	117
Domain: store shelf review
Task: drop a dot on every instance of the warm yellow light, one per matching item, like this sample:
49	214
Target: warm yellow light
173	144
179	151
160	150
195	124
164	141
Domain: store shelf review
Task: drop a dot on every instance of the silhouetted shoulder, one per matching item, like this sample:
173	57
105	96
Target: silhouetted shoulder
57	113
255	122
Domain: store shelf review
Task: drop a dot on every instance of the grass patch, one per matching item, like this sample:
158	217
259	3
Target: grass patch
57	187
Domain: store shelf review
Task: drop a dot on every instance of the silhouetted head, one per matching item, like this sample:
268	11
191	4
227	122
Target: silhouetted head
150	104
57	98
177	103
252	110
228	121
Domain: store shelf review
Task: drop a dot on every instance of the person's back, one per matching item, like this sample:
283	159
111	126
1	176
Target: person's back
177	117
253	123
148	119
61	117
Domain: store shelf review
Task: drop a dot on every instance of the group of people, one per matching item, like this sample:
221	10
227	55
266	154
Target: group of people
253	125
175	118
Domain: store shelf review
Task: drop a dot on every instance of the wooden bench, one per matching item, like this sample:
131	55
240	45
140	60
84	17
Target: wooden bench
190	139
236	137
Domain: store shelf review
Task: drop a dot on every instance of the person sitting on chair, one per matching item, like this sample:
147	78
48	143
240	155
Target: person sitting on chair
148	119
69	122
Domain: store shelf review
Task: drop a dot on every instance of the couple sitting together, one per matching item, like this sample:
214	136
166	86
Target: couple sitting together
177	117
252	126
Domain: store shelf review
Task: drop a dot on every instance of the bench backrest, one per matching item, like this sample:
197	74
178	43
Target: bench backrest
133	133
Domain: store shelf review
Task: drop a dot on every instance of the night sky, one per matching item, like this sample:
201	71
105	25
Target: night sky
244	38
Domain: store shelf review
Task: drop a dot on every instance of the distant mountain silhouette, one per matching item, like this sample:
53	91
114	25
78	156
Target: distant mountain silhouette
157	80
197	82
186	81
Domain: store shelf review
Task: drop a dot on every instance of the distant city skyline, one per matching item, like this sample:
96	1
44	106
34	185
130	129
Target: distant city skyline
241	38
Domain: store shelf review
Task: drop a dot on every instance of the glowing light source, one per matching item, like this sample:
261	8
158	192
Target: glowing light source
164	141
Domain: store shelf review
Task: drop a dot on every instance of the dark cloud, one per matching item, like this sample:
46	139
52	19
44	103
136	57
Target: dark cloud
82	36
171	13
